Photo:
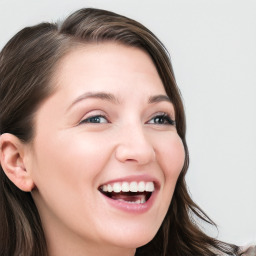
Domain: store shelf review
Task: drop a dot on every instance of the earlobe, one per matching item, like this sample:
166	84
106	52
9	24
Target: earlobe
12	153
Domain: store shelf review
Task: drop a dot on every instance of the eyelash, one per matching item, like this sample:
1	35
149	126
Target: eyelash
164	117
89	119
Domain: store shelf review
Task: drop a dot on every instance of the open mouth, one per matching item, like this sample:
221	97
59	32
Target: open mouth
129	192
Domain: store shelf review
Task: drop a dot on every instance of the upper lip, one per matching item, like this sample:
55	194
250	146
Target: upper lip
136	178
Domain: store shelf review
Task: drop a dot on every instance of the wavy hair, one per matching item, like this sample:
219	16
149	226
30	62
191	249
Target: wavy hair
27	64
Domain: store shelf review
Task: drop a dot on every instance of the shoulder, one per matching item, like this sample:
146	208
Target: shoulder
249	251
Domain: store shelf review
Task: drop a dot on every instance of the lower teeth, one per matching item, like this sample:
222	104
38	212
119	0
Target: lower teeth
142	201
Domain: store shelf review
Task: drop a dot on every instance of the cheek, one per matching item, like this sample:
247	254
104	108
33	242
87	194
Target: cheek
66	174
70	160
171	156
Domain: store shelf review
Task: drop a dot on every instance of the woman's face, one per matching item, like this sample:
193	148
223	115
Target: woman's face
109	126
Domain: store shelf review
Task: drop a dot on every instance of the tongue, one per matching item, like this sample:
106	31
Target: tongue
128	198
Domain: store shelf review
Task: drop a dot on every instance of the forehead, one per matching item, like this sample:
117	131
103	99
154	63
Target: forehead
107	63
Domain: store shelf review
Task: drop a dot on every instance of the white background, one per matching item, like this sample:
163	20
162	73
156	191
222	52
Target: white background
213	50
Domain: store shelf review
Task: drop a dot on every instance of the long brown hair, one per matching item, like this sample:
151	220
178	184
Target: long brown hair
27	64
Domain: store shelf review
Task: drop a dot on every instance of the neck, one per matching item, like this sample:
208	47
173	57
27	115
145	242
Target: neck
60	249
58	245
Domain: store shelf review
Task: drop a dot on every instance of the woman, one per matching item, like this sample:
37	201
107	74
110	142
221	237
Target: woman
93	148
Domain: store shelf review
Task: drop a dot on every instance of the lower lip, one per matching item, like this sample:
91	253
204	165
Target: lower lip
132	207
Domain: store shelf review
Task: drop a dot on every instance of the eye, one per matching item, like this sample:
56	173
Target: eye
97	119
162	119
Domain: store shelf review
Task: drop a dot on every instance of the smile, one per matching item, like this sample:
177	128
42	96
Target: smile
129	192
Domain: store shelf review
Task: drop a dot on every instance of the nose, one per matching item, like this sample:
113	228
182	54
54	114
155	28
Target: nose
134	146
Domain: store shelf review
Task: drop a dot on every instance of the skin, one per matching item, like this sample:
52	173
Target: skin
68	159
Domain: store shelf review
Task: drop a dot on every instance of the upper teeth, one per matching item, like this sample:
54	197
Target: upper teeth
129	187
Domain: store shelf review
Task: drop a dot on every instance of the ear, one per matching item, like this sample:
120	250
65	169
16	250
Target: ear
12	156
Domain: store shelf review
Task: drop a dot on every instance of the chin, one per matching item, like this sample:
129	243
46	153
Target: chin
133	240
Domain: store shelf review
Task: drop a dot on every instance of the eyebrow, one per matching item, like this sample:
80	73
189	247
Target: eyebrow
95	95
111	98
158	98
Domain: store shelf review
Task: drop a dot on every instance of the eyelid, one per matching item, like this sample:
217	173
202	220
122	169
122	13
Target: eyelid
165	115
94	114
87	120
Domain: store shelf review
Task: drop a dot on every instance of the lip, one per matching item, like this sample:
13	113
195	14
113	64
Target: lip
133	207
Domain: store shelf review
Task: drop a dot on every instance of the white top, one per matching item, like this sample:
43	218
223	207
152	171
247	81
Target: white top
249	251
